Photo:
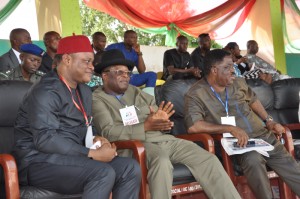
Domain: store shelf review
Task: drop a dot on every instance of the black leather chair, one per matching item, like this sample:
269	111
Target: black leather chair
11	95
281	100
174	92
286	102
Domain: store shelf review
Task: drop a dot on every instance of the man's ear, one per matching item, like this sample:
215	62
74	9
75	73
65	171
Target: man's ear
213	69
104	76
66	58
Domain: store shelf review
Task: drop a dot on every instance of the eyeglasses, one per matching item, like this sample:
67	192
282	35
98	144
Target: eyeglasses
120	72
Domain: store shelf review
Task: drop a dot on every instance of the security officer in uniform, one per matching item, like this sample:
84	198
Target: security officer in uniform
31	58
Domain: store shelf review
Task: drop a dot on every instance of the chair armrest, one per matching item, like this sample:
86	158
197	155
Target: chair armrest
206	139
226	159
289	144
9	166
136	146
288	138
138	150
295	126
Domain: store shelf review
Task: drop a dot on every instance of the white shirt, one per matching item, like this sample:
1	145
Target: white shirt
17	53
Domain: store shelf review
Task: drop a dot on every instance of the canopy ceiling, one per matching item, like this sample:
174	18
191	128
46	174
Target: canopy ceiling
173	16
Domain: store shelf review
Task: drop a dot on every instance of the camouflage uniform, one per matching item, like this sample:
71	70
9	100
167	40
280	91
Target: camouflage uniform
16	74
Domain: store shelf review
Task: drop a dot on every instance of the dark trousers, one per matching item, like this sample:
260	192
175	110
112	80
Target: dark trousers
254	167
148	78
94	179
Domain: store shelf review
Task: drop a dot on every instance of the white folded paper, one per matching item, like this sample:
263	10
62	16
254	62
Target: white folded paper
260	146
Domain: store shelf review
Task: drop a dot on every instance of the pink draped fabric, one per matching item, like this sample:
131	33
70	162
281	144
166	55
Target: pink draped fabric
177	14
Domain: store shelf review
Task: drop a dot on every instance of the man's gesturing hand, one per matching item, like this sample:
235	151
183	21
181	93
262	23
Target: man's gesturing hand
159	120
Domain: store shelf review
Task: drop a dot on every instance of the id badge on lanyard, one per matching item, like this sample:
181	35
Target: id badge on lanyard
229	120
129	116
89	134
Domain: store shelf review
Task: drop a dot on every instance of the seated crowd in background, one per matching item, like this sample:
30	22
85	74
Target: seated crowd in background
177	62
60	118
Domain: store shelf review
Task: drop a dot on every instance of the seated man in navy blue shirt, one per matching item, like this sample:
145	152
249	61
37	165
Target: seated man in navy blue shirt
131	50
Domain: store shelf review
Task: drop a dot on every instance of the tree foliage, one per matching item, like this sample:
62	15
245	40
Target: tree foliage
93	20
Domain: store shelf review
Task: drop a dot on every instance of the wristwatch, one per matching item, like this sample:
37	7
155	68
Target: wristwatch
268	119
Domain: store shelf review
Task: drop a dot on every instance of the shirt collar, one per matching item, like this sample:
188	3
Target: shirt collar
17	53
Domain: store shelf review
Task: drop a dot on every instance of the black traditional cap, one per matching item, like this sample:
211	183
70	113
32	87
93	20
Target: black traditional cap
111	58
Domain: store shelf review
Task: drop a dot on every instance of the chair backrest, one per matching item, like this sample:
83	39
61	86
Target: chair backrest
263	91
286	100
174	91
280	99
11	95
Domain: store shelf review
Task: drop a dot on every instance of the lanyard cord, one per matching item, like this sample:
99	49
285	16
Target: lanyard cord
80	108
219	98
123	102
120	101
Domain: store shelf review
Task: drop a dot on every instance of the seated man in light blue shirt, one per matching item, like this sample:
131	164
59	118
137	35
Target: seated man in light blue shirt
131	50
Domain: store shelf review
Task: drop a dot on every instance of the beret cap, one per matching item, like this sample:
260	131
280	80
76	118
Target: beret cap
32	49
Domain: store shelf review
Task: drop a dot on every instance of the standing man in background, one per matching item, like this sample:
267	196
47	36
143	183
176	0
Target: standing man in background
98	42
178	63
11	59
199	53
131	50
51	40
98	45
